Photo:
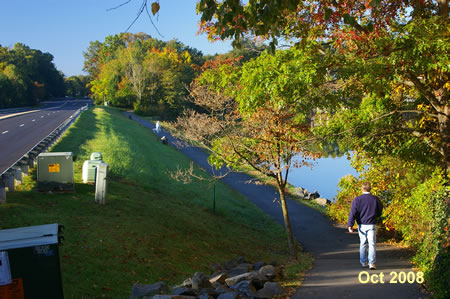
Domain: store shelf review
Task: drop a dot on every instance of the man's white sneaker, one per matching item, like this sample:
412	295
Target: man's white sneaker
364	265
372	267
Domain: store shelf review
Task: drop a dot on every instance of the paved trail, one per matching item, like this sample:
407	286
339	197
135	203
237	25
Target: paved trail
336	267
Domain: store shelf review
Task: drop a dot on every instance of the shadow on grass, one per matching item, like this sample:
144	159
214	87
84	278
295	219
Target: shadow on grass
83	130
147	160
148	230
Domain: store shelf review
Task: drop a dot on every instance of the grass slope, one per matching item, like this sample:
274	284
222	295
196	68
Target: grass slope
152	228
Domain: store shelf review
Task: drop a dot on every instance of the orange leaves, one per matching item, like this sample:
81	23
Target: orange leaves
276	137
210	29
220	60
155	50
155	8
38	85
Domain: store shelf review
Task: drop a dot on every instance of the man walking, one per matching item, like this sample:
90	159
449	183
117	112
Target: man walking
365	210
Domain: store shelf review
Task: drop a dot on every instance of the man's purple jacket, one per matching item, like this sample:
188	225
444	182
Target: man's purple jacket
365	210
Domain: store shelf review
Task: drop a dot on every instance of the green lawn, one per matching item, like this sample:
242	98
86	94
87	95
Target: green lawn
152	228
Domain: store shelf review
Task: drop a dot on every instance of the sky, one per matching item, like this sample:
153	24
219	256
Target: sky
64	28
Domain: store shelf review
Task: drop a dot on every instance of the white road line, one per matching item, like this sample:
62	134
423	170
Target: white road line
33	120
42	116
22	125
4	132
48	114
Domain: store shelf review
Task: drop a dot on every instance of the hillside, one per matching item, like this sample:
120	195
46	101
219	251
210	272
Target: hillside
152	228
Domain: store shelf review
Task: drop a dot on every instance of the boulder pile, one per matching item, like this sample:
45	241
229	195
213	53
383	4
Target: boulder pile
232	280
314	196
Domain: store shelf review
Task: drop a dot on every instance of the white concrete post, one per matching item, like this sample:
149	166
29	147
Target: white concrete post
29	160
101	183
17	172
24	167
8	179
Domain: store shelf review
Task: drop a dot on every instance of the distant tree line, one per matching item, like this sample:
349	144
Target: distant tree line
27	76
147	74
77	86
136	70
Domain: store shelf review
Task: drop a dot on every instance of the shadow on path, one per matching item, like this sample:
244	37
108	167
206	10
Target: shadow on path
336	269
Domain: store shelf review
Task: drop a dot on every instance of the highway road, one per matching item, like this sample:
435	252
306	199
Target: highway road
20	133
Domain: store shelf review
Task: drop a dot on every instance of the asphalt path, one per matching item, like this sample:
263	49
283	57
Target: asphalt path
336	271
19	133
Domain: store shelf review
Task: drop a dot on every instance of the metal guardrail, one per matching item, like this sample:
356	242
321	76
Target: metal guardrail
27	160
54	135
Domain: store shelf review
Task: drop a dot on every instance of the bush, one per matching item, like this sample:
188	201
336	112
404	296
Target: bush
339	210
416	207
432	240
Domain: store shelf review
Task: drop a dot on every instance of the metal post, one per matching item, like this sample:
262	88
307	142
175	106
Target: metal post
214	202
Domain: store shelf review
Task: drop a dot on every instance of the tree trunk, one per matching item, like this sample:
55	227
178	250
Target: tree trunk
444	131
443	8
287	224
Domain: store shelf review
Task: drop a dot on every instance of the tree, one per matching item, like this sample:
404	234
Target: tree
109	86
390	71
76	86
258	116
28	75
137	70
402	103
381	41
134	69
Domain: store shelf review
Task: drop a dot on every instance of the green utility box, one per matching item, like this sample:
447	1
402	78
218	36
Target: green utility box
55	171
30	262
90	170
96	156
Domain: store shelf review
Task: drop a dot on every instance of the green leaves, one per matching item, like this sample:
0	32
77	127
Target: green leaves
27	75
289	79
349	20
135	70
375	3
328	13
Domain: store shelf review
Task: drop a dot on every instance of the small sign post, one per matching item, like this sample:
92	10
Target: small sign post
101	183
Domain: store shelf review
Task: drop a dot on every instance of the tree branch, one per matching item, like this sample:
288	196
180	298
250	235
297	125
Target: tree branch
421	87
141	10
185	175
426	140
125	3
248	161
143	7
151	20
285	177
323	138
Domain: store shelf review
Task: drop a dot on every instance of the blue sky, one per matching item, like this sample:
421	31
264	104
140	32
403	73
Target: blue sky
64	28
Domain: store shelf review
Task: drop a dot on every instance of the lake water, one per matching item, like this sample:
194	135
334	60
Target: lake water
323	177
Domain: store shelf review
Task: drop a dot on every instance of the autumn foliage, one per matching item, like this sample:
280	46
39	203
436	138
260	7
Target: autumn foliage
387	81
135	70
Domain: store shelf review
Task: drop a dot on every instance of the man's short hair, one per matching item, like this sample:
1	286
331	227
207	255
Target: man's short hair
366	187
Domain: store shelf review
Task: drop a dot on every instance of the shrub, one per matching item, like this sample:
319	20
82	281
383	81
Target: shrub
416	207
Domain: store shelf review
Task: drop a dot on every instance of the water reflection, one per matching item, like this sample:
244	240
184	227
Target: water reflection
323	177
